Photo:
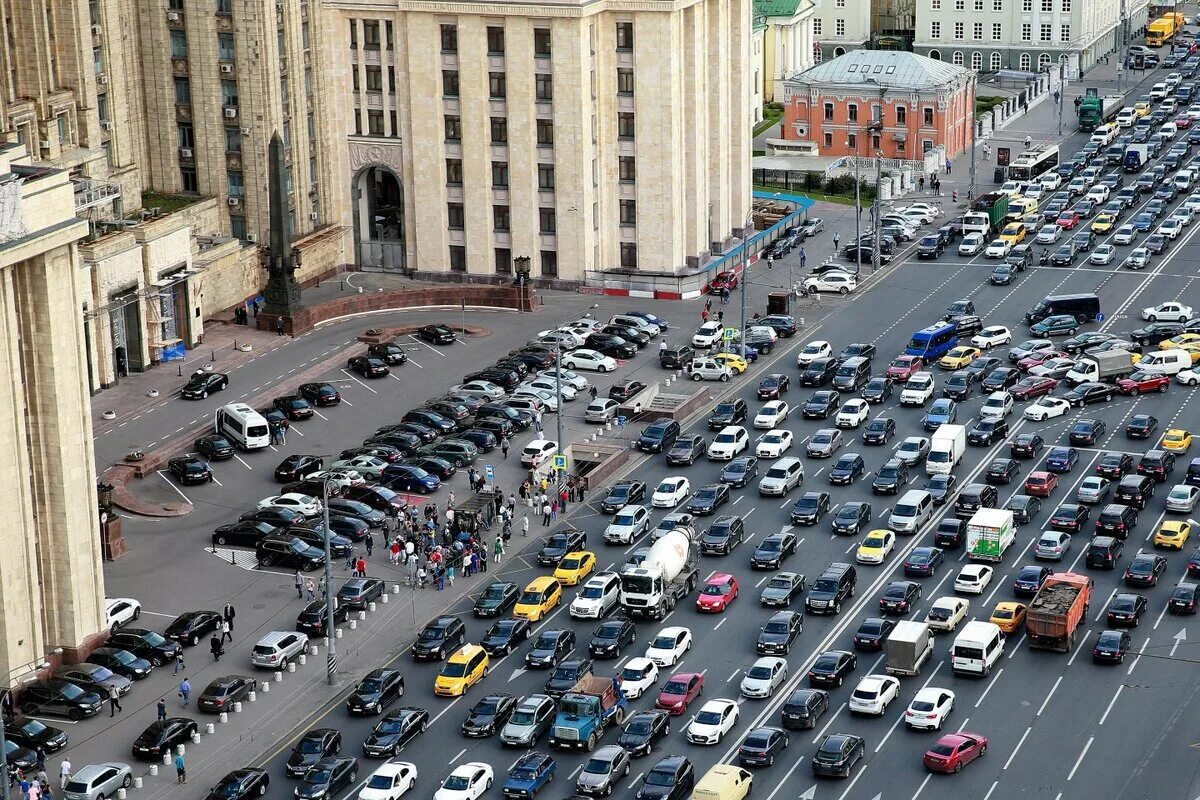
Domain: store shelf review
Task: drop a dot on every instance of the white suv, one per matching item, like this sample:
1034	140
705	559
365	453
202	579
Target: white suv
598	596
917	390
731	440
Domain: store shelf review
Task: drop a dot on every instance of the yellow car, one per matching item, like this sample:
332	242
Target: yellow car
1013	232
1193	350
1181	340
1008	617
1141	108
1103	223
1177	440
575	567
539	598
465	668
733	361
959	357
876	547
1172	534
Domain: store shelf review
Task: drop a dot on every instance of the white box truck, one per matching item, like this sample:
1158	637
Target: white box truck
908	646
1106	366
946	449
990	532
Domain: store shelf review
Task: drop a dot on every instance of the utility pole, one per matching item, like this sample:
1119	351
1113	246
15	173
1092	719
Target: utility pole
330	626
974	137
857	213
745	283
878	208
1062	85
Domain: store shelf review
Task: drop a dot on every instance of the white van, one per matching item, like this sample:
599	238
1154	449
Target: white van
977	649
1168	362
242	425
912	511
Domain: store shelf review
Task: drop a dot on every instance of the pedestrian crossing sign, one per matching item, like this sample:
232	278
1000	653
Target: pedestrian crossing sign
560	463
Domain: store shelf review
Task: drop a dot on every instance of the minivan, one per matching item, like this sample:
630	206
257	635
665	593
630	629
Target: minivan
1104	552
977	648
834	586
1084	307
277	648
912	511
852	374
1168	362
724	782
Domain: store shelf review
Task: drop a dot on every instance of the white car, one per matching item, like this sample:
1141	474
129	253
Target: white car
548	398
876	547
1052	366
598	596
992	336
1048	234
467	782
627	524
390	781
929	708
1045	408
339	478
1124	235
120	611
812	351
973	578
928	208
873	694
972	244
764	676
773	443
773	414
998	405
563	339
729	441
300	503
834	281
1103	254
1193	203
947	612
1167	312
918	389
1183	497
999	248
1188	377
1170	228
602	409
551	387
1012	188
484	389
1183	214
1126	117
537	451
1051	180
671	492
854	412
714	719
669	645
590	360
708	335
1098	194
569	378
1034	191
637	676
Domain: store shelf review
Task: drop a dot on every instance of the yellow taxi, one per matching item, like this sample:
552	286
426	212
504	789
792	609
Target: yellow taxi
1181	340
539	598
1013	232
1193	350
876	547
1008	616
1173	534
732	360
959	357
575	567
1103	223
466	667
1177	440
1141	108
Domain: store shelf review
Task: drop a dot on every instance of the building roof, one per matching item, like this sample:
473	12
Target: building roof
776	8
887	68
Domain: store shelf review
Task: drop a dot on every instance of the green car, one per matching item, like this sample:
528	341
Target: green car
1059	324
458	452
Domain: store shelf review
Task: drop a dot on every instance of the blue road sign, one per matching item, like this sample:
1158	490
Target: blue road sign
488	472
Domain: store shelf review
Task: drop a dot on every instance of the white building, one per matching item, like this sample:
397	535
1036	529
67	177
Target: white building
839	26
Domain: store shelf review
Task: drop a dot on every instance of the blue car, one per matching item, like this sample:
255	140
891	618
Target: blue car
1061	459
1059	324
653	319
531	774
407	478
1143	222
942	412
1030	579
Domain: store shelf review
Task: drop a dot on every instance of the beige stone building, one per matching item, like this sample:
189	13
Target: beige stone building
51	584
575	137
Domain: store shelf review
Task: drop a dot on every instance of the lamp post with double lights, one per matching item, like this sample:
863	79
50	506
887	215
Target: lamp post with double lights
40	663
330	625
560	477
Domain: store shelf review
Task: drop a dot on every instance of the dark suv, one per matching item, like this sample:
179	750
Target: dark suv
676	357
834	586
658	436
439	638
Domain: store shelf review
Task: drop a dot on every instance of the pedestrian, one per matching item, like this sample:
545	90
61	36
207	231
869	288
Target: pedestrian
987	152
920	185
803	258
704	315
563	494
504	447
483	558
770	264
41	763
546	515
440	576
721	317
394	551
368	542
310	589
1028	141
162	708
724	295
254	307
180	769
949	164
185	691
214	646
498	550
582	489
64	770
450	574
362	567
179	661
554	509
283	429
837	237
24	786
351	561
278	332
525	526
228	614
226	631
114	701
34	791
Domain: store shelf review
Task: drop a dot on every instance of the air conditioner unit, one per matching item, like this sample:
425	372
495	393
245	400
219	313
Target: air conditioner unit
226	69
185	152
102	79
312	215
173	16
97	30
252	238
106	125
235	201
231	112
45	144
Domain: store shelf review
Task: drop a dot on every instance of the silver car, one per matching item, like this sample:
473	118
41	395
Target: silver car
531	719
912	450
1183	497
98	781
1094	489
601	410
824	443
781	477
1052	545
603	769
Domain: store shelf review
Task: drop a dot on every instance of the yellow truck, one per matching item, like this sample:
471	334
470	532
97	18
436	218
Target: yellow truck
1163	29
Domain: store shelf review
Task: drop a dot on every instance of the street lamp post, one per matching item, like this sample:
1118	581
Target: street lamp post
41	664
331	653
558	415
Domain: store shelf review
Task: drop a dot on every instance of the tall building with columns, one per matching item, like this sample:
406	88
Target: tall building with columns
787	41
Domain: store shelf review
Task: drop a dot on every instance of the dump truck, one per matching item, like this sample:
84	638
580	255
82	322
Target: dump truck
989	533
1058	610
946	449
584	712
908	646
1106	366
987	214
669	573
1094	110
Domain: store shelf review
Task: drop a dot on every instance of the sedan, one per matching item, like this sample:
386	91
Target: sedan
899	597
1002	471
923	561
1030	579
162	736
1126	610
189	628
765	675
872	633
708	499
773	385
772	551
189	470
954	751
1111	647
879	431
774	443
973	578
587	359
1061	459
831	668
781	589
929	708
1046	408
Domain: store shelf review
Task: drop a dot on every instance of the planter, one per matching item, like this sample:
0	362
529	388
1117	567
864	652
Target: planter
109	415
135	456
152	393
245	348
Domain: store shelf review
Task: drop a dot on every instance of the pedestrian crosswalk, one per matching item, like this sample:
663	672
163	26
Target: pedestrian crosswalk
232	555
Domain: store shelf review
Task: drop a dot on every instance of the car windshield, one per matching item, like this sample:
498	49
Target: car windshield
709	493
664	642
391	725
633	673
772	545
822	438
714	588
639	726
776	627
726	438
457	783
709	717
675	687
759	671
660	778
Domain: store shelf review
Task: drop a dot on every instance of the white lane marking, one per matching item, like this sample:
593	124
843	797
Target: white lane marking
351	376
991	683
244	464
1079	760
1049	694
1112	702
821	734
1013	754
173	486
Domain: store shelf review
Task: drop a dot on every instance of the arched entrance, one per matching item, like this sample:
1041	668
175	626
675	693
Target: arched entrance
378	199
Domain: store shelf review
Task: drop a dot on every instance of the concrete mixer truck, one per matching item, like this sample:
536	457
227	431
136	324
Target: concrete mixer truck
667	575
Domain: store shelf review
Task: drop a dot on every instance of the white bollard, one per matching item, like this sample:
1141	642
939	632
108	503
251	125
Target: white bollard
196	737
353	625
252	697
291	666
371	606
302	659
166	759
266	686
338	633
224	717
137	782
237	707
383	597
121	793
326	642
312	651
666	383
395	588
210	729
180	749
362	615
153	771
278	676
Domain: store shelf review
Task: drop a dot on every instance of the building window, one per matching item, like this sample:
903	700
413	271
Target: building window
549	260
628	255
828	112
977	61
187	135
1025	62
935	5
353	34
370	34
541	42
495	40
997	31
375	123
626	169
450	82
625	81
997	5
454	175
875	141
957	58
449	38
224	6
1066	6
455	217
959	30
374	79
1026	32
545	132
977	31
926	145
497	86
543	86
229	94
624	35
928	116
828	140
499	174
852	112
628	212
501	219
852	141
546	177
225	49
188	181
499	130
1045	32
901	115
839	27
816	26
840	3
1043	62
233	140
994	62
183	91
1027	6
960	5
546	220
453	128
237	184
102	107
1065	32
979	5
237	227
179	44
458	258
1047	6
625	126
503	261
935	30
876	112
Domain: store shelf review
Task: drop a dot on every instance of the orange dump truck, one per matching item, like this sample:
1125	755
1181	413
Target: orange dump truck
1058	611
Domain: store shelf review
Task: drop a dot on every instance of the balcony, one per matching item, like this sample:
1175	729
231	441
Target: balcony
91	194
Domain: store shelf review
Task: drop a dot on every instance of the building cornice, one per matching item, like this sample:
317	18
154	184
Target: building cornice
553	8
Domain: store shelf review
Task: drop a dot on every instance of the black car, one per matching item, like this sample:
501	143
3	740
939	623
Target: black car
557	545
941	488
729	412
214	447
761	746
848	467
838	754
899	597
610	637
890	477
391	354
297	467
1111	647
1026	445
311	748
740	471
280	548
294	407
1114	465
1156	332
489	715
986	432
923	562
243	534
983	365
642	730
189	628
496	599
429	418
1145	569
202	384
315	616
1024	507
851	517
676	357
809	509
958	385
783	324
708	498
1183	598
686	450
549	648
189	470
1069	517
819	372
145	644
872	633
436	334
161	736
804	707
222	693
485	440
831	668
658	436
621	494
566	675
378	689
504	636
277	516
326	777
877	390
1141	426
241	784
503	377
402	441
1126	610
497	426
879	431
780	630
356	593
434	465
1030	579
672	778
1087	431
774	549
950	534
773	386
381	451
439	638
1002	471
1000	378
320	394
1156	464
1002	275
122	662
821	404
723	535
32	733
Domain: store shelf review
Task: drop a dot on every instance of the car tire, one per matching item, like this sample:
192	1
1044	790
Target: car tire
204	395
75	715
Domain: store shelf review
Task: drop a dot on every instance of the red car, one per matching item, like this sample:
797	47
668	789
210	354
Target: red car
1143	381
1032	386
1183	122
679	691
954	751
723	280
718	592
1067	220
903	367
1041	483
1037	359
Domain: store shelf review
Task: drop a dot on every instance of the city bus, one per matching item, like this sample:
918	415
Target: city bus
1032	164
933	342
